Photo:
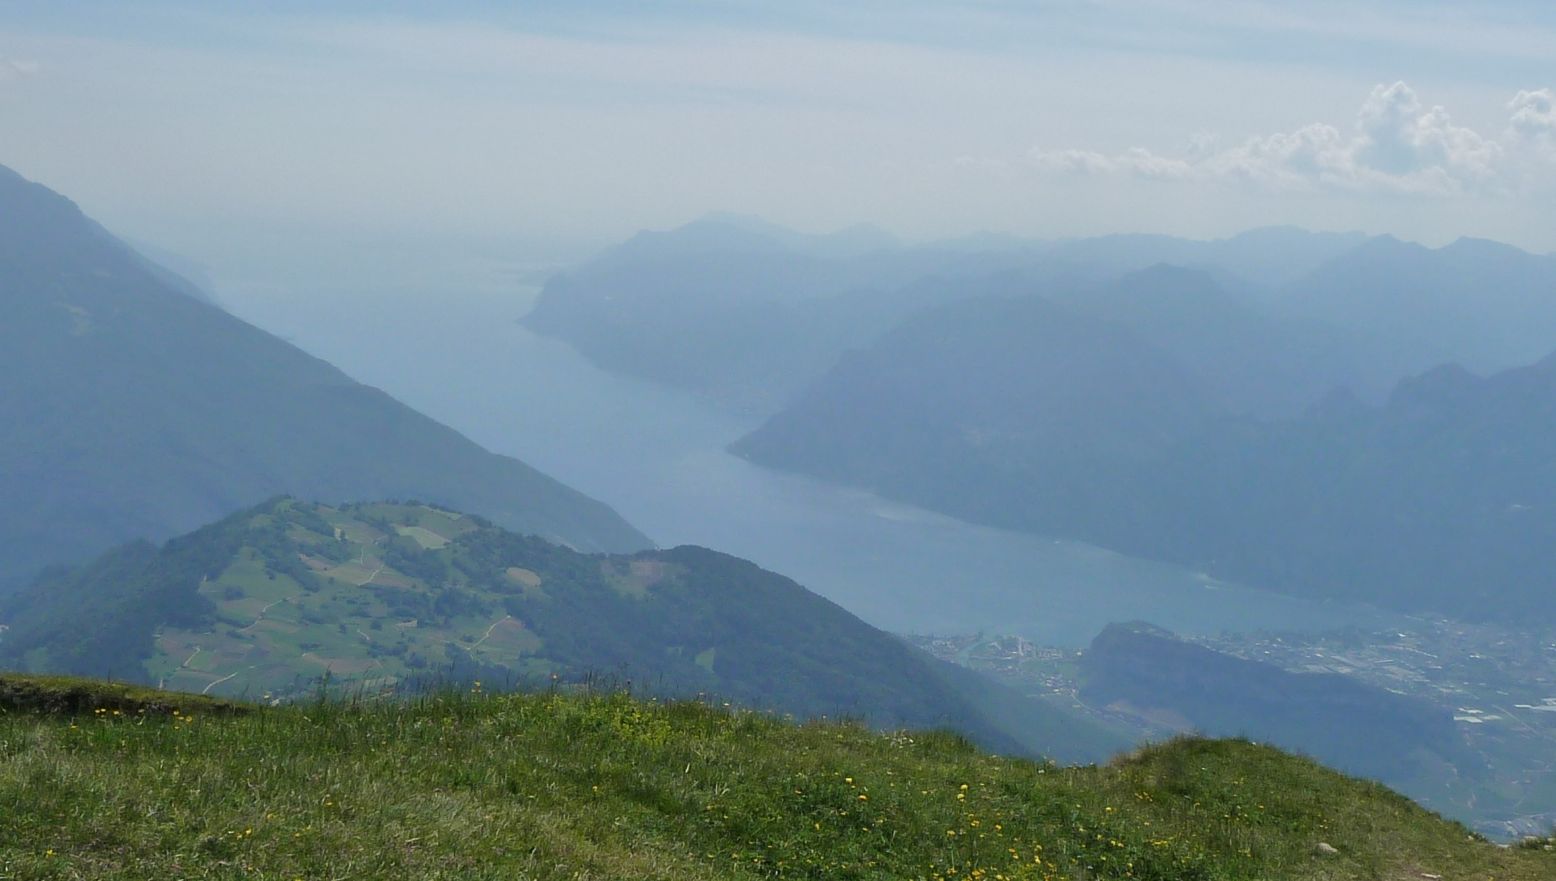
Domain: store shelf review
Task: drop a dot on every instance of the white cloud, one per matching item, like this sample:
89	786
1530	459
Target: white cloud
1397	145
1534	120
1138	162
13	69
1286	160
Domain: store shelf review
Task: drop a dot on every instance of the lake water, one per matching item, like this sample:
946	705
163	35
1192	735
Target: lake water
455	351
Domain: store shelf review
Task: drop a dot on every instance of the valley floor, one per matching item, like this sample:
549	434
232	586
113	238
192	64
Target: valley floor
1499	684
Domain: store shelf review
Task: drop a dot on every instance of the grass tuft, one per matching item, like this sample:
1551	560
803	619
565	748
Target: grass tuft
70	696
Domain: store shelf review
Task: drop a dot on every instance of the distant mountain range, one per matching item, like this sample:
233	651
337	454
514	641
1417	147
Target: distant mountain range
1330	309
130	408
1276	414
1250	358
378	596
778	300
786	305
1481	304
1010	413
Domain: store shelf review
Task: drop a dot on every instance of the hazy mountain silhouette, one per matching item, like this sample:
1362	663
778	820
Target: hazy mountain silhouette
131	409
737	311
748	313
1483	304
1252	360
1005	410
1121	432
1265	257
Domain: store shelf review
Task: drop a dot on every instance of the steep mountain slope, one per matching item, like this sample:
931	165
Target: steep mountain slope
1442	499
269	600
559	787
1010	411
128	409
1482	304
1251	359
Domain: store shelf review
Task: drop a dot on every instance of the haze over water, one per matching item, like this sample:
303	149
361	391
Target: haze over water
454	350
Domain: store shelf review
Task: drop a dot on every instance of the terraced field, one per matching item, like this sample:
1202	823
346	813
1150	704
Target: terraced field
358	617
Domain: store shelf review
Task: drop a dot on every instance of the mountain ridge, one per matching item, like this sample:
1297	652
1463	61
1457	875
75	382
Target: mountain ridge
131	409
380	595
1407	502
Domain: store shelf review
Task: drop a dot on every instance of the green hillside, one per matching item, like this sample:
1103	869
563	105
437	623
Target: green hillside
382	597
557	786
129	409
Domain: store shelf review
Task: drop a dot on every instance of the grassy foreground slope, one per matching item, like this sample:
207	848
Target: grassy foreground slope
557	786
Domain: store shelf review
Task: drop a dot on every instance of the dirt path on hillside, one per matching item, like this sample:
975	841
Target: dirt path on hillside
262	613
487	635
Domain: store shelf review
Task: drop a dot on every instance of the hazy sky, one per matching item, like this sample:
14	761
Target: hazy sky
542	128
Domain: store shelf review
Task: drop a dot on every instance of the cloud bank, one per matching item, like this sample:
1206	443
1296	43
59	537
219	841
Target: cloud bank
1396	145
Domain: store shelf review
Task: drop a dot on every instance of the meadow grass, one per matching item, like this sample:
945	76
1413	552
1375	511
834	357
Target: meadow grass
605	786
